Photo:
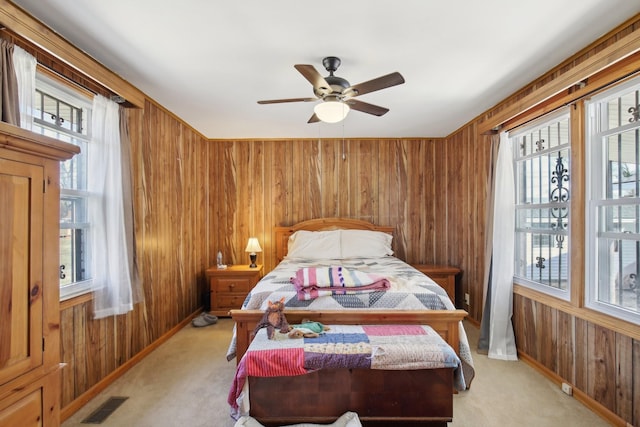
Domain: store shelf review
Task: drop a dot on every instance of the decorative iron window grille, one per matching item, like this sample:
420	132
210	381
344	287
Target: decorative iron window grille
542	170
55	113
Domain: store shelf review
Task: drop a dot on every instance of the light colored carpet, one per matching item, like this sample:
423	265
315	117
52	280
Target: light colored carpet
185	382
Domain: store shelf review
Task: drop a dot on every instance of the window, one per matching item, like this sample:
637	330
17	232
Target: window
542	178
613	203
63	114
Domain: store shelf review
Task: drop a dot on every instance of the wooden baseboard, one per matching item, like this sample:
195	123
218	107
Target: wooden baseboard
85	397
578	394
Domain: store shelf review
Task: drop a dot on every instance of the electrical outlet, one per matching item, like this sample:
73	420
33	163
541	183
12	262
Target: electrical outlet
466	298
567	389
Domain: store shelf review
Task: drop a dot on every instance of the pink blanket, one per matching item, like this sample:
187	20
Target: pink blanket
314	282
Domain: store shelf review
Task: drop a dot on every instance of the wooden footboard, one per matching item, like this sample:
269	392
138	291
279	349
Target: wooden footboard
445	322
383	398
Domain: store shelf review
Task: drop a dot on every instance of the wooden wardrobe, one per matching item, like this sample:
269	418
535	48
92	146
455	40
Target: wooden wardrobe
29	284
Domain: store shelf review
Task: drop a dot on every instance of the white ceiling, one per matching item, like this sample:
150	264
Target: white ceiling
209	61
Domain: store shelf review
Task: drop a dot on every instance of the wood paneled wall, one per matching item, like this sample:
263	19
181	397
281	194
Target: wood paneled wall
597	361
172	205
420	186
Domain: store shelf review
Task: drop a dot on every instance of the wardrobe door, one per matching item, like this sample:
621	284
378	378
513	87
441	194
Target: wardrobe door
21	268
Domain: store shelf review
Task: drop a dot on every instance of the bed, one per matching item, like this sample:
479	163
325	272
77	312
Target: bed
413	300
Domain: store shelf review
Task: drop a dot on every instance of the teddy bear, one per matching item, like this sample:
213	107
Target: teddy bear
273	318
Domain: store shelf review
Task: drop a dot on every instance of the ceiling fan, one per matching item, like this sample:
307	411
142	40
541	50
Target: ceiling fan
336	94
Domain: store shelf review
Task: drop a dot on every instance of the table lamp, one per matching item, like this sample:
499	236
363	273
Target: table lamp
252	247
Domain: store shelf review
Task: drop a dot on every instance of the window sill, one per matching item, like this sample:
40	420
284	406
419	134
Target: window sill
76	300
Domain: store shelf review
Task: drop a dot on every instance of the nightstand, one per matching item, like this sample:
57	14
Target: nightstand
443	275
229	286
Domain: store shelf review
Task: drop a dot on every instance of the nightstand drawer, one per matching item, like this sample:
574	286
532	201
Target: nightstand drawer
231	284
227	301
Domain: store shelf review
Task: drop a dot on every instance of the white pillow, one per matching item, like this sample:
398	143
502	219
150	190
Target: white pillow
365	244
314	244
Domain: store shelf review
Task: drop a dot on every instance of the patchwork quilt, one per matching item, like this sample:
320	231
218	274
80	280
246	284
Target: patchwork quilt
408	289
388	347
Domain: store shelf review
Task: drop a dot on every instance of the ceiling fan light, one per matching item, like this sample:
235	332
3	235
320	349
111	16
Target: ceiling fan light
331	111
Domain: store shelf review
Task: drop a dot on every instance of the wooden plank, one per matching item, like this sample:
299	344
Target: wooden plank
565	347
344	177
530	329
80	349
93	351
67	351
331	158
581	343
624	376
601	366
548	350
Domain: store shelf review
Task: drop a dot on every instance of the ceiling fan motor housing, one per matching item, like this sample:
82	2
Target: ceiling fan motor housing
337	84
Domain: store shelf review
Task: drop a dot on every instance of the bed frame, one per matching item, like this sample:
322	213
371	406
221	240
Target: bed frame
417	397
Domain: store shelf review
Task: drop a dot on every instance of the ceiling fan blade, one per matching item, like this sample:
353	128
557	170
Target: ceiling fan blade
366	108
313	76
314	119
277	101
383	82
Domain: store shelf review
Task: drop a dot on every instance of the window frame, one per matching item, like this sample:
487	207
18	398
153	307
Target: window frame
595	155
61	90
513	135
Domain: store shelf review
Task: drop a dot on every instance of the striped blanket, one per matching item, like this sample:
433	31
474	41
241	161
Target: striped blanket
314	282
388	347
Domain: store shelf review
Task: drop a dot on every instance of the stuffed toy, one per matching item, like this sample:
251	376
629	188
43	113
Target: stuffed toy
307	329
273	318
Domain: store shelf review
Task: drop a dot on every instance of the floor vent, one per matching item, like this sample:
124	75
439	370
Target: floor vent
103	412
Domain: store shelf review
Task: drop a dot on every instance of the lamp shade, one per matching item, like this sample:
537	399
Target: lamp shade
331	111
253	245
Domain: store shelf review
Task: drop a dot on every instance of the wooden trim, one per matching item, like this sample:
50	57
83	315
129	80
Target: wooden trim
627	68
578	394
618	325
608	56
24	25
77	300
64	81
84	398
577	203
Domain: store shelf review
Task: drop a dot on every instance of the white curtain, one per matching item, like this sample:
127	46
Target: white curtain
109	253
25	67
502	344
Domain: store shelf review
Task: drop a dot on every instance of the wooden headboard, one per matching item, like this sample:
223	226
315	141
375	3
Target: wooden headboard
322	224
